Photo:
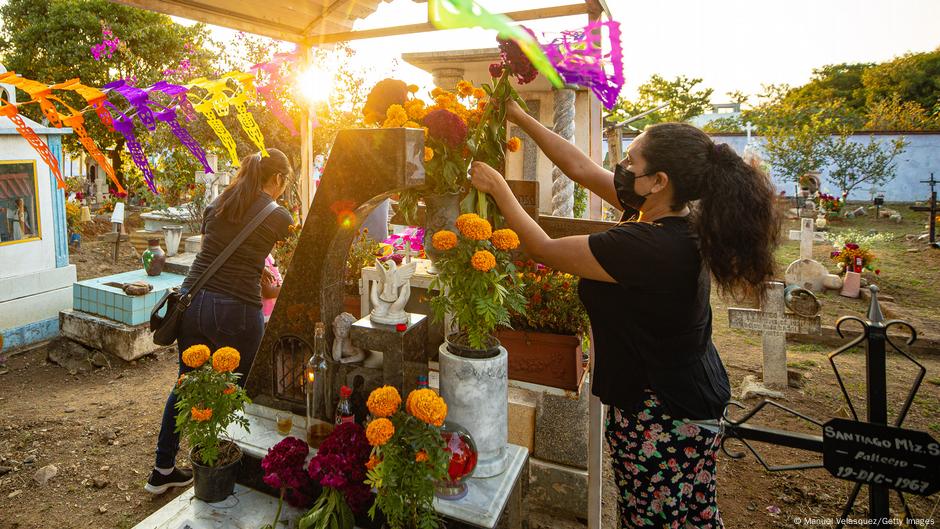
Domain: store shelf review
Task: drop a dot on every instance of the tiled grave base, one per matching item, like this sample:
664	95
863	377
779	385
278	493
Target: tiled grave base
123	341
94	297
486	502
246	508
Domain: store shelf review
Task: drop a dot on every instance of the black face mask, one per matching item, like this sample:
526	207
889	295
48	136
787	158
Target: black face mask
623	184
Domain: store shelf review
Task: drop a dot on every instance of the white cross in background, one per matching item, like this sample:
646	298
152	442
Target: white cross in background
807	236
749	128
408	252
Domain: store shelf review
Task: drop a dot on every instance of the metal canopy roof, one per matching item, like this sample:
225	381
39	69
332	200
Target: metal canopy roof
310	22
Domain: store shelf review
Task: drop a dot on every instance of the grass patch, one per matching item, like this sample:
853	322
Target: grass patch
803	364
934	380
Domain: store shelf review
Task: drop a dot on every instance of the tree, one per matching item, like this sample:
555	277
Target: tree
795	150
834	82
685	102
50	40
894	114
855	163
912	77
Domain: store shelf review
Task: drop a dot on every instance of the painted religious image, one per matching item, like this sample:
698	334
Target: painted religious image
19	207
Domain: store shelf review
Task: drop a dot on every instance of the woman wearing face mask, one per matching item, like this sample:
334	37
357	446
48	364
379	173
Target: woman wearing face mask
226	312
703	213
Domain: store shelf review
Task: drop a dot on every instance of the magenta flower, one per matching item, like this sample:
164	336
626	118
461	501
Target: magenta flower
284	464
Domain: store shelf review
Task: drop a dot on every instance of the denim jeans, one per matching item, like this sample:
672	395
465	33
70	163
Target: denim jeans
216	320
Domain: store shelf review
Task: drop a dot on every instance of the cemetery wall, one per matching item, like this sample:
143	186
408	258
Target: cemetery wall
919	159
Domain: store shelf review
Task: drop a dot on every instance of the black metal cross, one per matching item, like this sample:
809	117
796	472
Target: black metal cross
932	222
869	452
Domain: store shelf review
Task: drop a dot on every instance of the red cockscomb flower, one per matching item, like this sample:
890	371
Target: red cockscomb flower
446	127
513	58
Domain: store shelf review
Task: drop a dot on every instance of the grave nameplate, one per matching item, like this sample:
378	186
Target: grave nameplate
528	194
900	459
756	320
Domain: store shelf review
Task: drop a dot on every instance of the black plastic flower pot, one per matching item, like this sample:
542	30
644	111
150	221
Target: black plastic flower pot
214	484
458	344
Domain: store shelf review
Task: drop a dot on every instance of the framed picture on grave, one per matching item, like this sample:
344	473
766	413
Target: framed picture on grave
19	202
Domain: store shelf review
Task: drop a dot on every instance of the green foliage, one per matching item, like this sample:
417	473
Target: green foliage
912	77
73	216
362	253
857	163
580	201
798	149
329	512
405	486
205	388
552	302
685	102
894	114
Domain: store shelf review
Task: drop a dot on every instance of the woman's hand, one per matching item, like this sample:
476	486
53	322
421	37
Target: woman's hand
486	179
267	278
514	112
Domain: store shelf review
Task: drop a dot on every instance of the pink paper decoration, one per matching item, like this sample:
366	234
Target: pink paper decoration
579	58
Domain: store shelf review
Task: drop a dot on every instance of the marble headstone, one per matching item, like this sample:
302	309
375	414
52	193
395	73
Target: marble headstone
365	167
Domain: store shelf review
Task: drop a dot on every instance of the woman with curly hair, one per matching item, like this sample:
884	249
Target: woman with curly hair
694	212
227	311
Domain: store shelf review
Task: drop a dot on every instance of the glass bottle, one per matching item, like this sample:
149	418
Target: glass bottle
422	382
315	389
344	410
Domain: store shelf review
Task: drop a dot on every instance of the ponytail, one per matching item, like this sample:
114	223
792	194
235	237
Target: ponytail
253	175
733	205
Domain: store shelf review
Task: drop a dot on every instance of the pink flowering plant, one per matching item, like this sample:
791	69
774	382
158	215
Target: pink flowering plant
340	467
284	470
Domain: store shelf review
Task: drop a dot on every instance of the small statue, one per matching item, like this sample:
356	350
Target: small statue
391	292
344	351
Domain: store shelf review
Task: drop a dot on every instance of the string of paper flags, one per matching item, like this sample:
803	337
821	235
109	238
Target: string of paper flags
575	58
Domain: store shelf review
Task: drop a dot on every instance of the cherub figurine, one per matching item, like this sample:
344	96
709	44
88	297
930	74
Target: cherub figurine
343	349
390	293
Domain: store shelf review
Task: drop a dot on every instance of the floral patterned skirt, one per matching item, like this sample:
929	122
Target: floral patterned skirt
664	468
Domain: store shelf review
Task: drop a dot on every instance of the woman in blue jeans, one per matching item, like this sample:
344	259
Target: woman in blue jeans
226	312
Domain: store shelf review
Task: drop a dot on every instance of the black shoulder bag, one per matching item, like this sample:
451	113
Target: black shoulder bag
166	328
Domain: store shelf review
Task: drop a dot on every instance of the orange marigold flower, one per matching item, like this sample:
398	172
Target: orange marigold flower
481	105
444	240
427	406
421	456
372	462
479	93
483	261
180	380
413	88
513	144
226	360
428	154
229	389
437	91
464	88
380	431
478	229
395	117
411	125
505	239
464	220
415	109
196	355
383	401
200	414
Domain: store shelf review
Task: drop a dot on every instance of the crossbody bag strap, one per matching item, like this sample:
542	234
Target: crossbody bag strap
186	299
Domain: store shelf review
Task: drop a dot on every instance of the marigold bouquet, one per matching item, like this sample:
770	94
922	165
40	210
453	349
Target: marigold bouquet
209	399
847	256
408	455
830	204
552	303
477	280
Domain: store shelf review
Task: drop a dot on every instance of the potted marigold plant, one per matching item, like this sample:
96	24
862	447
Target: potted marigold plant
544	342
209	399
408	456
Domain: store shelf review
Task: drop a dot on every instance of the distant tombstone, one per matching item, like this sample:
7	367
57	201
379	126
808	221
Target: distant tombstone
851	285
365	167
806	272
774	323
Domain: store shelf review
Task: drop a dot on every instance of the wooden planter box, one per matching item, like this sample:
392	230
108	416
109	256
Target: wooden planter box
544	358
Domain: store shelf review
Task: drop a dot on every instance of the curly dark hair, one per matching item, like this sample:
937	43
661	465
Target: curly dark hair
732	204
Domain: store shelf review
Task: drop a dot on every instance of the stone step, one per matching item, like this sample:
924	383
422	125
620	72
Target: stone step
121	340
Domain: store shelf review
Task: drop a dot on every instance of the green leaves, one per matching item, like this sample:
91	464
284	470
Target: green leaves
329	512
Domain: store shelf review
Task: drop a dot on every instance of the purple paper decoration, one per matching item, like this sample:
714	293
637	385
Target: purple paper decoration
136	97
125	125
274	80
177	93
168	116
579	58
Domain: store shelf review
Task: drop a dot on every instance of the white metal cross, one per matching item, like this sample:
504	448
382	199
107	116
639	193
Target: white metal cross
749	128
408	252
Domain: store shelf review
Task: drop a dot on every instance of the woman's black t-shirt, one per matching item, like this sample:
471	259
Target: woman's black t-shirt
652	328
240	276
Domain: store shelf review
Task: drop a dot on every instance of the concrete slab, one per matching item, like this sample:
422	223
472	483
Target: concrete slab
557	488
95	297
245	508
121	340
180	263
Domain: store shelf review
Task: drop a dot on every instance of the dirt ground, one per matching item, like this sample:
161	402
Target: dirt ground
99	428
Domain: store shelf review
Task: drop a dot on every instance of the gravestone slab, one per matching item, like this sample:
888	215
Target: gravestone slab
561	429
404	357
365	167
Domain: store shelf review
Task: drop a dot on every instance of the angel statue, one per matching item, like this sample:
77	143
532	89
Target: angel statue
343	349
390	293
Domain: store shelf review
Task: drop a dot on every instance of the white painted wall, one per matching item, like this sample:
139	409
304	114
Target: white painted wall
37	255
